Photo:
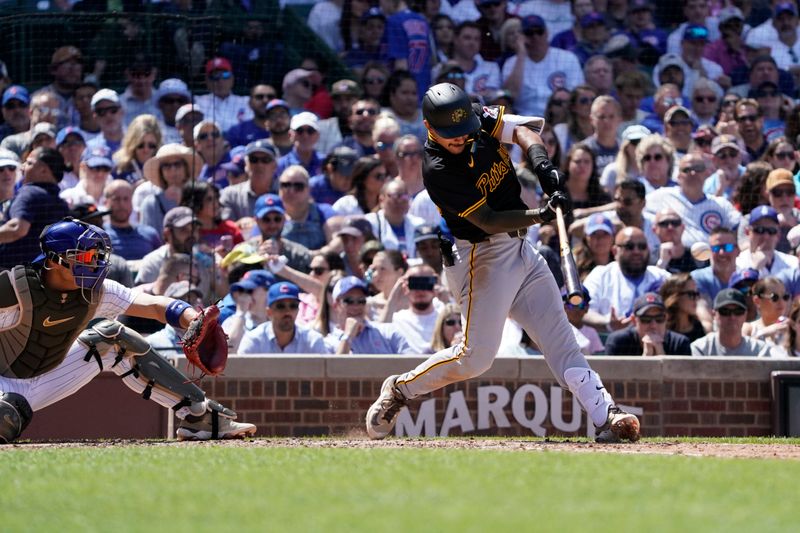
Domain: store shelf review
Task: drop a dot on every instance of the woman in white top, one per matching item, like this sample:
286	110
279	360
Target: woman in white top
772	301
387	267
369	175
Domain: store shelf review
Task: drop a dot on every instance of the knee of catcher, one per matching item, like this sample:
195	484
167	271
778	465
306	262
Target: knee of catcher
15	415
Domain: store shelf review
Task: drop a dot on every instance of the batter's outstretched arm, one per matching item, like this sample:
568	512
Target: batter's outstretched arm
492	221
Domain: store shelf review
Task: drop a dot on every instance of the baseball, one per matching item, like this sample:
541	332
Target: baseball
701	251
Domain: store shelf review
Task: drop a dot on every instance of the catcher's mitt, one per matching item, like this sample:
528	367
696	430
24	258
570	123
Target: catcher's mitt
205	344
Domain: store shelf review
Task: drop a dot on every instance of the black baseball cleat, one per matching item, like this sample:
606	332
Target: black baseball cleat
620	426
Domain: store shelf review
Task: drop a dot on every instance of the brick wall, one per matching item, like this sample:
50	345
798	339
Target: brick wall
307	395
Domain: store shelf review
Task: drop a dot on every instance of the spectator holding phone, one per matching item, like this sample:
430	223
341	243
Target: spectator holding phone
417	322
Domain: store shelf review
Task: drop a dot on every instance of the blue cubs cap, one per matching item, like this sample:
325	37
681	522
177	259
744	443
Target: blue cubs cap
69	130
16	92
261	146
590	19
283	291
785	7
532	22
277	102
262	278
763	211
243	285
599	222
695	32
267	203
236	164
97	156
347	284
373	13
173	86
647	301
744	275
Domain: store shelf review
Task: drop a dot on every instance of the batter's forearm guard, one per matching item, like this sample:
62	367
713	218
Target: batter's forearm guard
548	175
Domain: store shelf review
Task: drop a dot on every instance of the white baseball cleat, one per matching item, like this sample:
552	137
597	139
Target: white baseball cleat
202	428
382	414
619	427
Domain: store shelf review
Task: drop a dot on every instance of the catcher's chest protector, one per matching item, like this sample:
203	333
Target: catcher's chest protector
49	323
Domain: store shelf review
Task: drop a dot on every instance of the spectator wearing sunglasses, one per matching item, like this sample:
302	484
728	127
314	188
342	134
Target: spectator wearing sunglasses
680	296
706	97
281	334
140	97
297	89
648	334
730	314
534	62
625	166
772	301
763	234
255	128
93	176
671	254
220	104
447	331
356	334
344	93
727	159
172	94
304	128
712	279
615	286
260	161
750	124
361	122
108	111
774	107
141	141
306	220
270	218
743	281
587	337
210	144
391	223
250	296
16	115
384	134
667	96
782	193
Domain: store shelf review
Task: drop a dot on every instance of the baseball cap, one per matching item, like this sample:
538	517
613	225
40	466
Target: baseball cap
173	86
243	285
778	177
261	146
177	217
87	211
590	19
105	94
761	212
267	203
373	13
16	92
635	132
785	7
97	156
276	102
293	76
640	5
344	159
729	13
348	283
695	32
599	222
670	60
674	110
8	158
283	291
185	109
355	227
729	297
236	164
620	46
765	88
181	289
533	22
345	88
724	141
261	278
66	132
304	118
43	128
746	274
218	63
243	253
64	53
648	300
425	233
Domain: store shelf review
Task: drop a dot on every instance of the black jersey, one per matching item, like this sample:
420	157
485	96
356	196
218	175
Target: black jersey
481	174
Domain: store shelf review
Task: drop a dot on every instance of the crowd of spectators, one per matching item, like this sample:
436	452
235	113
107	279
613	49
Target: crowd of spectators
301	205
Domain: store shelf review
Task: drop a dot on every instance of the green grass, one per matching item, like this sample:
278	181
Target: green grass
207	488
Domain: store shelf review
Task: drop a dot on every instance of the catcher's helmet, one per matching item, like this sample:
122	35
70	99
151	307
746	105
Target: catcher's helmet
82	248
448	111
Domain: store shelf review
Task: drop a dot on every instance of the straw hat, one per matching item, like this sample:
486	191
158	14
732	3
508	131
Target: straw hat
168	152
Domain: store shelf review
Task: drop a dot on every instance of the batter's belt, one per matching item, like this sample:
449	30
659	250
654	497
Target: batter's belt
519	234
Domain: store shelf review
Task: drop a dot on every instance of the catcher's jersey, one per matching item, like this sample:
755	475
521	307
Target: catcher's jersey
483	174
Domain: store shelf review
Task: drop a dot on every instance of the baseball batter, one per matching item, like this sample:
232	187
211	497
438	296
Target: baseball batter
47	352
494	271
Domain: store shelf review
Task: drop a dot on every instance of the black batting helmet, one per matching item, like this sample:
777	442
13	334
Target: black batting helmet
448	111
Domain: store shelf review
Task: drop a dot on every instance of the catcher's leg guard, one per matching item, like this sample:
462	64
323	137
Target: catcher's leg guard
15	415
150	369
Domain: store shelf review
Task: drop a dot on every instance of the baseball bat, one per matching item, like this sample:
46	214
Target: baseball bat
568	266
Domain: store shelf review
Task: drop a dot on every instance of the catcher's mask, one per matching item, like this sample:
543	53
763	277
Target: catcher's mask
82	248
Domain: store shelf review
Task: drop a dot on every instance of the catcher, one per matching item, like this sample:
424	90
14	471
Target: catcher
57	331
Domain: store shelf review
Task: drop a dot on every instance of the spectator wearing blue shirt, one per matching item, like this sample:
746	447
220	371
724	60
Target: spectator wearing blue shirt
712	279
336	179
35	206
129	241
109	114
305	218
360	336
256	128
304	128
210	144
281	334
407	37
